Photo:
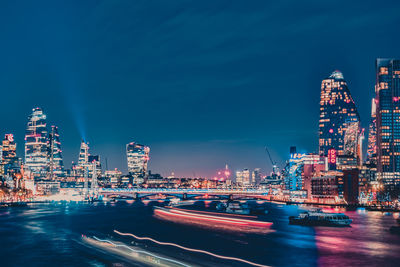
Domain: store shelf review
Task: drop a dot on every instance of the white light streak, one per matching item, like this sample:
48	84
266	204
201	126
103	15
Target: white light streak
190	249
139	251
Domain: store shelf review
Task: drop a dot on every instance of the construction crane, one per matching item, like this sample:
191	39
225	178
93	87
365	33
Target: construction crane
275	169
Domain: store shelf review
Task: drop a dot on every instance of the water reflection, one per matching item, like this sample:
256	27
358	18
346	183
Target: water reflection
48	232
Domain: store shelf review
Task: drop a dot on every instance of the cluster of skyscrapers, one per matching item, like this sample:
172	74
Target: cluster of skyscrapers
43	160
338	171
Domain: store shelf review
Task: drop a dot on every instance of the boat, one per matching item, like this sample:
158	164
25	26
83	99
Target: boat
319	218
208	218
235	207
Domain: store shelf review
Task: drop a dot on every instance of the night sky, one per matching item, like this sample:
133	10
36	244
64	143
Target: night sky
203	83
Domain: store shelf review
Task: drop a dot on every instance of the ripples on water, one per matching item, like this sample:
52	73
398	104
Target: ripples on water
50	234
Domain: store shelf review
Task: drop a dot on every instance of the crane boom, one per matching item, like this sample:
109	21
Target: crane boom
269	155
274	166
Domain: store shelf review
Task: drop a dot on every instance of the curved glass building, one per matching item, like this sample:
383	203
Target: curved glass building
337	112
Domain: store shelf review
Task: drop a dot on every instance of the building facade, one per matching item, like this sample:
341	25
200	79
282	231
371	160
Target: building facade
36	145
256	176
9	160
387	90
137	157
371	150
243	177
56	163
94	165
301	168
337	112
83	166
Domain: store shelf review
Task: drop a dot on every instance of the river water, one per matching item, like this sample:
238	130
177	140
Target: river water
51	235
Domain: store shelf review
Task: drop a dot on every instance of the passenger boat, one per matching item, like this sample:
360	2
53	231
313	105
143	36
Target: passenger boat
319	218
209	218
236	207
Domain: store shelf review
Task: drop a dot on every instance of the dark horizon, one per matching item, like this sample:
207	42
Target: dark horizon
202	84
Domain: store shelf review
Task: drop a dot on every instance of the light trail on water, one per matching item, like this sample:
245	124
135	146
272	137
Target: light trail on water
139	251
191	249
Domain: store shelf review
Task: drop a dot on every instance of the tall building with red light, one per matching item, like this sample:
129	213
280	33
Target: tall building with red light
337	112
387	90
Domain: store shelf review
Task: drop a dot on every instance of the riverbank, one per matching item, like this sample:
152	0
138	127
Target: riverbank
347	206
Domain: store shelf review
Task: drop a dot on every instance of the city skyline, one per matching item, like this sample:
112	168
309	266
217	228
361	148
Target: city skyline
90	94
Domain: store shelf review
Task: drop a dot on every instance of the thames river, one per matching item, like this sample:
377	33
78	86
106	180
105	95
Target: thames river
51	235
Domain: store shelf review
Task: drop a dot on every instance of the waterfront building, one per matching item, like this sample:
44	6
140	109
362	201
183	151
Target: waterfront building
387	90
243	177
56	163
324	189
9	160
367	177
113	177
36	145
337	112
48	187
300	168
137	157
94	165
348	184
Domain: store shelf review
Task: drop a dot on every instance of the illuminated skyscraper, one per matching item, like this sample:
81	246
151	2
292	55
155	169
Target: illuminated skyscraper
137	156
83	159
337	112
56	164
9	160
36	145
387	90
371	151
243	177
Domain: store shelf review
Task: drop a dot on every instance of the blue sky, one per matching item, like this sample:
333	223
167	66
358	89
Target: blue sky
203	83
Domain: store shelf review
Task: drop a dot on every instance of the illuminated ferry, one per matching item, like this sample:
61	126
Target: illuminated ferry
209	218
319	218
234	207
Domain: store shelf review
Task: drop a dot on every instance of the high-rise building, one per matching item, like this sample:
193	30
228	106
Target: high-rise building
9	160
243	177
371	150
56	164
387	90
337	112
256	176
138	157
82	169
36	145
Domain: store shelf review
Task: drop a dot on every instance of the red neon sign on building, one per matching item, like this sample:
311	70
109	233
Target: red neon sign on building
332	156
